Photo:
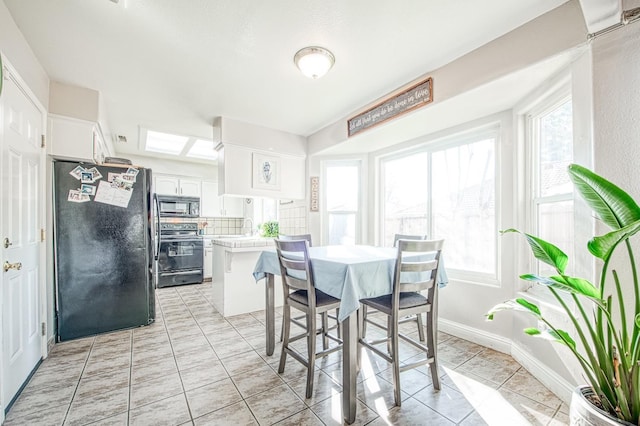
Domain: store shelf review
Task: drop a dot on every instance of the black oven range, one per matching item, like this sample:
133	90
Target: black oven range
180	259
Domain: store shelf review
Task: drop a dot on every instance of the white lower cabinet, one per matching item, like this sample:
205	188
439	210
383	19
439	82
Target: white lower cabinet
208	263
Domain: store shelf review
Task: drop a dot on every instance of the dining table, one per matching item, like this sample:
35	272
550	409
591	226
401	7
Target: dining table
348	273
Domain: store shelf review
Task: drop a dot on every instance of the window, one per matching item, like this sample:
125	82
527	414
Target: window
406	198
464	208
551	140
264	210
342	201
446	190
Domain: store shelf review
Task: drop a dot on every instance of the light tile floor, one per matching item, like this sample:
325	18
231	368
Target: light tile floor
194	367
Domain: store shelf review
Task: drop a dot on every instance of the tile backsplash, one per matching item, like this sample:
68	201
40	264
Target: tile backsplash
221	225
293	218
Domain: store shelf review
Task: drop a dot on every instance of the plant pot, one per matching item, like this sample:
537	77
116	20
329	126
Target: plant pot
583	413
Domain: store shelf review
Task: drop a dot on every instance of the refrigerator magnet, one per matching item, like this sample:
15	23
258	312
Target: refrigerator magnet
86	177
74	196
88	189
76	172
96	173
132	171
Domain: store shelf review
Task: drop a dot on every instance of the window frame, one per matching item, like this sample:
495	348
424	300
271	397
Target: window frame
326	164
542	105
492	130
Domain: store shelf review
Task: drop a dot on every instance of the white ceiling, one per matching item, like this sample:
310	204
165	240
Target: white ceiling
172	66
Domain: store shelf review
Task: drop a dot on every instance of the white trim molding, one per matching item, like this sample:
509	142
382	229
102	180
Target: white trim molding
555	383
601	14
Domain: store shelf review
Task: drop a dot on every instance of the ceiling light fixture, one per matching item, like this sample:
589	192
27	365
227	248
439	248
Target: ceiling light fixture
314	61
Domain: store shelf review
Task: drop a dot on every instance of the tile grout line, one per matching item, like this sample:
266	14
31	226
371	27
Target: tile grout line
225	368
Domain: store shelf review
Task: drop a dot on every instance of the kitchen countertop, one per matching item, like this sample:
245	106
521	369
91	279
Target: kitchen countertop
235	241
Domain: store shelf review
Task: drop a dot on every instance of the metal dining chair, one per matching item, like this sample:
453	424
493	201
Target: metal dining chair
412	275
417	318
300	293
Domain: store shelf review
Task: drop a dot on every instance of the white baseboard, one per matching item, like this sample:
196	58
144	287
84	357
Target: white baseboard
540	371
481	337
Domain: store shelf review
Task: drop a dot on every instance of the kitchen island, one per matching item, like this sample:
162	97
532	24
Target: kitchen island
235	290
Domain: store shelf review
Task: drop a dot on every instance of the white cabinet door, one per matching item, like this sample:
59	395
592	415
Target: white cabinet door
167	185
233	206
210	201
208	262
71	138
190	187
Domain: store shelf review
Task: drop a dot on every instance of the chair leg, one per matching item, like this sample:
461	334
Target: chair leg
311	350
359	315
389	336
286	315
432	350
325	330
282	330
420	327
364	321
396	360
339	323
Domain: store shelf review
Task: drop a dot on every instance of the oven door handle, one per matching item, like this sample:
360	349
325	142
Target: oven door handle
180	272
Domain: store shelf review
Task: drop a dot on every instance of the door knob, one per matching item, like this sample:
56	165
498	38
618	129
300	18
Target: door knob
17	266
7	243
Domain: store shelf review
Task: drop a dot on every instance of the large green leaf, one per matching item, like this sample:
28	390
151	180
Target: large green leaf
612	204
602	247
557	335
565	283
577	285
544	251
519	304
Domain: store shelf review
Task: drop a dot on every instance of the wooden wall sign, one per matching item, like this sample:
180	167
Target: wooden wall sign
409	99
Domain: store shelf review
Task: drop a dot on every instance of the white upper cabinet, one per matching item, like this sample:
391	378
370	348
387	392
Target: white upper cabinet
213	205
233	206
190	187
75	139
210	201
256	161
175	185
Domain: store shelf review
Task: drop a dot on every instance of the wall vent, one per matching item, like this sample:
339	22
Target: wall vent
121	138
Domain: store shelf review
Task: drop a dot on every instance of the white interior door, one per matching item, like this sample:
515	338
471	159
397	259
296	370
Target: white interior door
20	136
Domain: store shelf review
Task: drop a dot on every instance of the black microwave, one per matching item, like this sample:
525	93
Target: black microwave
178	206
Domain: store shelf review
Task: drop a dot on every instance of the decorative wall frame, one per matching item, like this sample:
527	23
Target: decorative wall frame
314	194
265	172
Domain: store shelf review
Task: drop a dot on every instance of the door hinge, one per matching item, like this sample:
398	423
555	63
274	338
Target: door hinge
43	234
44	328
42	141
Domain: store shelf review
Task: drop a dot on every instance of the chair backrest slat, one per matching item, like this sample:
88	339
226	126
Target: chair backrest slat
417	266
306	237
295	267
397	237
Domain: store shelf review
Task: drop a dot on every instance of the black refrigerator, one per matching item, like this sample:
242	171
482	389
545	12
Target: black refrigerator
104	248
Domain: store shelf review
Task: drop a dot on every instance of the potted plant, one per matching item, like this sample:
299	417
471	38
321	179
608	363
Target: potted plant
270	229
608	335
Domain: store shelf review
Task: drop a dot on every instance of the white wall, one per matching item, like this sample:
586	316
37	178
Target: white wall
556	31
15	48
616	128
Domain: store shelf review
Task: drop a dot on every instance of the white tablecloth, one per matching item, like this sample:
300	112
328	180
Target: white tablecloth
349	273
